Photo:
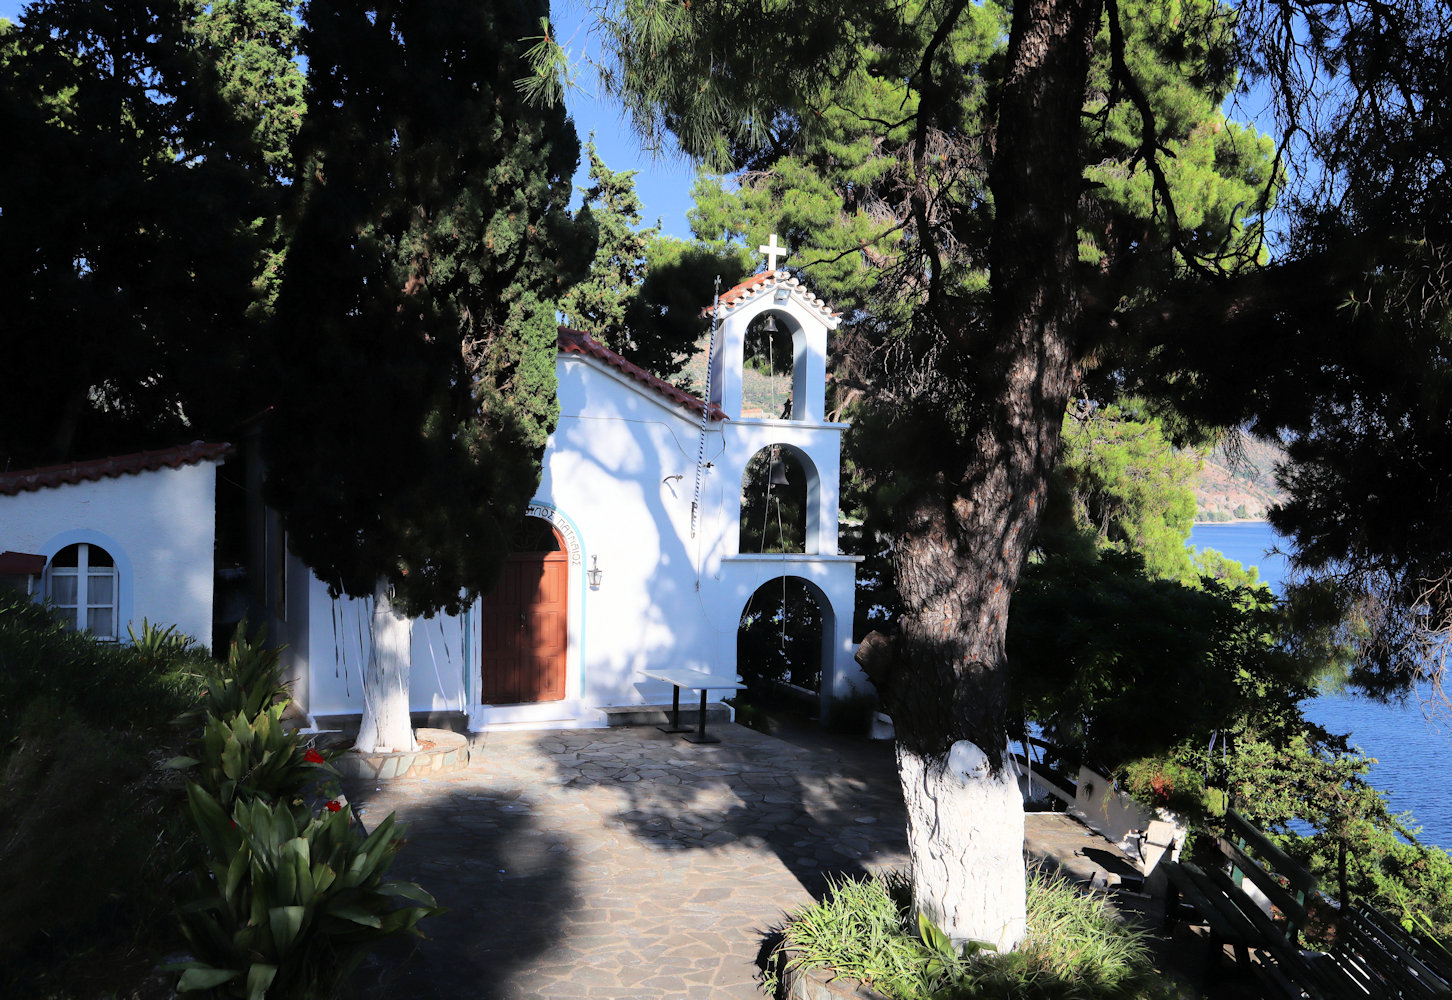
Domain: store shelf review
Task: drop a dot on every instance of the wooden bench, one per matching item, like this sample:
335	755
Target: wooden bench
1372	957
1233	917
1385	960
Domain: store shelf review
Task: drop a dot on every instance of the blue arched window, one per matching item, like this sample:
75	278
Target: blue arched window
84	587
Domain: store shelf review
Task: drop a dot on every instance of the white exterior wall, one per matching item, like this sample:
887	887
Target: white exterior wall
338	644
667	599
607	469
159	526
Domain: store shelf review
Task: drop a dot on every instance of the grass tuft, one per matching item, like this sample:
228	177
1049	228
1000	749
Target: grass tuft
1074	950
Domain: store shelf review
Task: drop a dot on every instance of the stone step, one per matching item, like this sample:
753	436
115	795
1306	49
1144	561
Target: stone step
440	751
659	715
531	725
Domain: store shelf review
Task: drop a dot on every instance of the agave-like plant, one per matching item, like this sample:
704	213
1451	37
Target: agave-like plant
286	909
253	758
288	898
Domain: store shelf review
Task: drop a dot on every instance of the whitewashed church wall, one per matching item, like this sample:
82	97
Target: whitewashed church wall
613	472
158	525
338	645
821	443
620	471
436	681
742	575
338	649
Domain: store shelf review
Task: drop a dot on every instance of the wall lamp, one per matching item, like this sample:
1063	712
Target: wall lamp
594	574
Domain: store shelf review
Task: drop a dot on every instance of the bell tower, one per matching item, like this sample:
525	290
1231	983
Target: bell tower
791	305
804	436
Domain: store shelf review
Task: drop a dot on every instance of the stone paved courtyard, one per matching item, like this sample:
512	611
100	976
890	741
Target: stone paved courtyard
615	863
627	863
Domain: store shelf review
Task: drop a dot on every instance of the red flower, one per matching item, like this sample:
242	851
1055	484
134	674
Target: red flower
334	805
313	757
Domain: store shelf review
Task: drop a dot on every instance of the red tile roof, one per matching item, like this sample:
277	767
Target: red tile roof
579	342
740	290
771	280
20	563
28	480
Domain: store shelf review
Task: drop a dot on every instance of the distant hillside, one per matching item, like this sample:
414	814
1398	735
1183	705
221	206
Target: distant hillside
762	395
1238	485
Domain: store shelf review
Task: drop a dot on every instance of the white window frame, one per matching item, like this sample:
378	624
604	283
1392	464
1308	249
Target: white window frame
77	615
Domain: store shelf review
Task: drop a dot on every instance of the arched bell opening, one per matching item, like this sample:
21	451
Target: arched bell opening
784	638
779	496
771	367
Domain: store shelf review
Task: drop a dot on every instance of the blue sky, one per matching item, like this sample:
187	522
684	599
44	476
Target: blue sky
663	183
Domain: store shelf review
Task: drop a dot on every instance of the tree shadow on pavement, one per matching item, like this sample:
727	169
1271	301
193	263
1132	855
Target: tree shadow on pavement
504	880
824	814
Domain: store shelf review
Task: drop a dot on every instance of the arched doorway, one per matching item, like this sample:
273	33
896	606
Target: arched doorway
524	623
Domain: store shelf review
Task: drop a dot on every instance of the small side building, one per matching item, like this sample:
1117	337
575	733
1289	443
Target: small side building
114	541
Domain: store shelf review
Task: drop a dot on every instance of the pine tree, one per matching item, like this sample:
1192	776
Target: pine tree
129	210
977	208
642	297
415	325
599	303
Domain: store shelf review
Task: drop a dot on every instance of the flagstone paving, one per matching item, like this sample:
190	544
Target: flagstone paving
627	863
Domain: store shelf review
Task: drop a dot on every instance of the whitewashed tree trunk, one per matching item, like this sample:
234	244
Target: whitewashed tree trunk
965	832
386	727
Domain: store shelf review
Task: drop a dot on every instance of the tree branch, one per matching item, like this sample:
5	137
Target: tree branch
930	96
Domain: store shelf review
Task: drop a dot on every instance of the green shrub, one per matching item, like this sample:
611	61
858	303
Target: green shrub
247	683
244	749
287	899
80	853
1074	948
89	837
860	931
1077	948
107	686
160	648
1164	783
287	909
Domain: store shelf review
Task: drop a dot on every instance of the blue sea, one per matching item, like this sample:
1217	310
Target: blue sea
1412	755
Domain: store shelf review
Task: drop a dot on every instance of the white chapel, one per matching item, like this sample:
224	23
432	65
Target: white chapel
632	557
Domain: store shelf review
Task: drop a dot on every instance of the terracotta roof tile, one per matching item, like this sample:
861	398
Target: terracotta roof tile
28	480
769	281
579	342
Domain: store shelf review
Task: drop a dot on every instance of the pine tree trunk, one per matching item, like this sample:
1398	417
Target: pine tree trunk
961	541
385	727
965	835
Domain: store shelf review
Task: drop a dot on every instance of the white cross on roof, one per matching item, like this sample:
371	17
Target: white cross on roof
772	252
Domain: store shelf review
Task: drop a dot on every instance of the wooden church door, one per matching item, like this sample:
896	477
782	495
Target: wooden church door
524	622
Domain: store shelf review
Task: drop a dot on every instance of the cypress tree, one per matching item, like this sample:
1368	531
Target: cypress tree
415	324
